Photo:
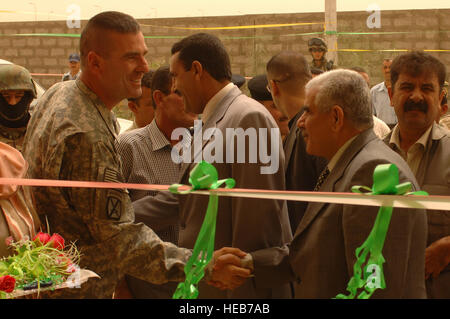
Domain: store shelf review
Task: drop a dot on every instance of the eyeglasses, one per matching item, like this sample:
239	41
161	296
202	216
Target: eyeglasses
276	81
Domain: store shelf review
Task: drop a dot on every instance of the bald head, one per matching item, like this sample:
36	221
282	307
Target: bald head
94	38
289	68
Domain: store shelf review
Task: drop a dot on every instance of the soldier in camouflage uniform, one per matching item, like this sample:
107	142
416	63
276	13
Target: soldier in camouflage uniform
17	91
318	49
71	137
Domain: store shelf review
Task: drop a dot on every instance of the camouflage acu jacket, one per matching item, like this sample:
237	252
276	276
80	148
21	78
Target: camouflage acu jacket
324	66
12	136
71	137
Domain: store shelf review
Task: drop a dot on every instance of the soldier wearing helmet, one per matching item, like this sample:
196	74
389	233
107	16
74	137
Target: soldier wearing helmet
17	91
318	49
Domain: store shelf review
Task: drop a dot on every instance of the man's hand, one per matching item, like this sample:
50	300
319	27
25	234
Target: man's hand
437	257
228	272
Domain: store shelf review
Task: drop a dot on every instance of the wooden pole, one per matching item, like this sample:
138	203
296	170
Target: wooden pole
331	29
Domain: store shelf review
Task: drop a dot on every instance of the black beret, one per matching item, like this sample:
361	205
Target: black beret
258	88
237	80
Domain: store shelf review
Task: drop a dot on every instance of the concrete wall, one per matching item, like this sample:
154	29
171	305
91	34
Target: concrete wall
249	49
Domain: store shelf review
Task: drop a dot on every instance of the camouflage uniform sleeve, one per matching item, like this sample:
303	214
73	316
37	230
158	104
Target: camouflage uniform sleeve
109	218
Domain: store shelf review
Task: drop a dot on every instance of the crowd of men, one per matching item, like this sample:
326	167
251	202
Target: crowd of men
324	123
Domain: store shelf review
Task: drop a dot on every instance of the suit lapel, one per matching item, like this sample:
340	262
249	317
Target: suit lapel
215	117
336	174
289	144
435	135
291	138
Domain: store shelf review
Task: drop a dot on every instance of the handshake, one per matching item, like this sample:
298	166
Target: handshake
229	268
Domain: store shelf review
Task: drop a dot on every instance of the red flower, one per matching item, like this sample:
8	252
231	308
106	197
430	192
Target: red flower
71	268
7	283
42	237
57	241
9	240
62	259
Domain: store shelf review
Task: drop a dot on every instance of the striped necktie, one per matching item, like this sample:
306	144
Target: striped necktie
323	176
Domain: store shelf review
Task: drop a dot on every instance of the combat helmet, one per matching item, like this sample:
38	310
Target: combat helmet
16	77
317	42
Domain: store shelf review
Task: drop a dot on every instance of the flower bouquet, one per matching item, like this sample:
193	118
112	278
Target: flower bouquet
40	264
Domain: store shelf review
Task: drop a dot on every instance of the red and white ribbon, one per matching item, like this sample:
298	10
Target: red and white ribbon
403	201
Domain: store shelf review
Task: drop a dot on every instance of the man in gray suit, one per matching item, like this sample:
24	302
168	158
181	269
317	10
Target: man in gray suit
201	71
417	91
337	124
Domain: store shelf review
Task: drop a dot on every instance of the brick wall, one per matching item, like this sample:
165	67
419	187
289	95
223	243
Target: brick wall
249	49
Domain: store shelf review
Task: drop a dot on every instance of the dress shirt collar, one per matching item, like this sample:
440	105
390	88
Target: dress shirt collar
332	163
382	87
159	140
395	137
214	101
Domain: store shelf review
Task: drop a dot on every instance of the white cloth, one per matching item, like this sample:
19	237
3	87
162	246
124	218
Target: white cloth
380	128
381	104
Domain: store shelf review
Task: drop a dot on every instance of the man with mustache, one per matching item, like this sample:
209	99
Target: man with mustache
417	91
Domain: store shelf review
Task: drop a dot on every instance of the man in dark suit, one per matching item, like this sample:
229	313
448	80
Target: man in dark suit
201	71
337	124
287	74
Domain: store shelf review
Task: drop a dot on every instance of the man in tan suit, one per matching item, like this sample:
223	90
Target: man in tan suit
337	125
201	71
417	91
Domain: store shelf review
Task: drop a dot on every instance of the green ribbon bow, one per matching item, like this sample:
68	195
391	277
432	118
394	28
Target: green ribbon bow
202	176
385	182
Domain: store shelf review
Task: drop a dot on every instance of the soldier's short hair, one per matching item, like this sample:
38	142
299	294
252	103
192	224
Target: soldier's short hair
93	37
206	49
416	63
